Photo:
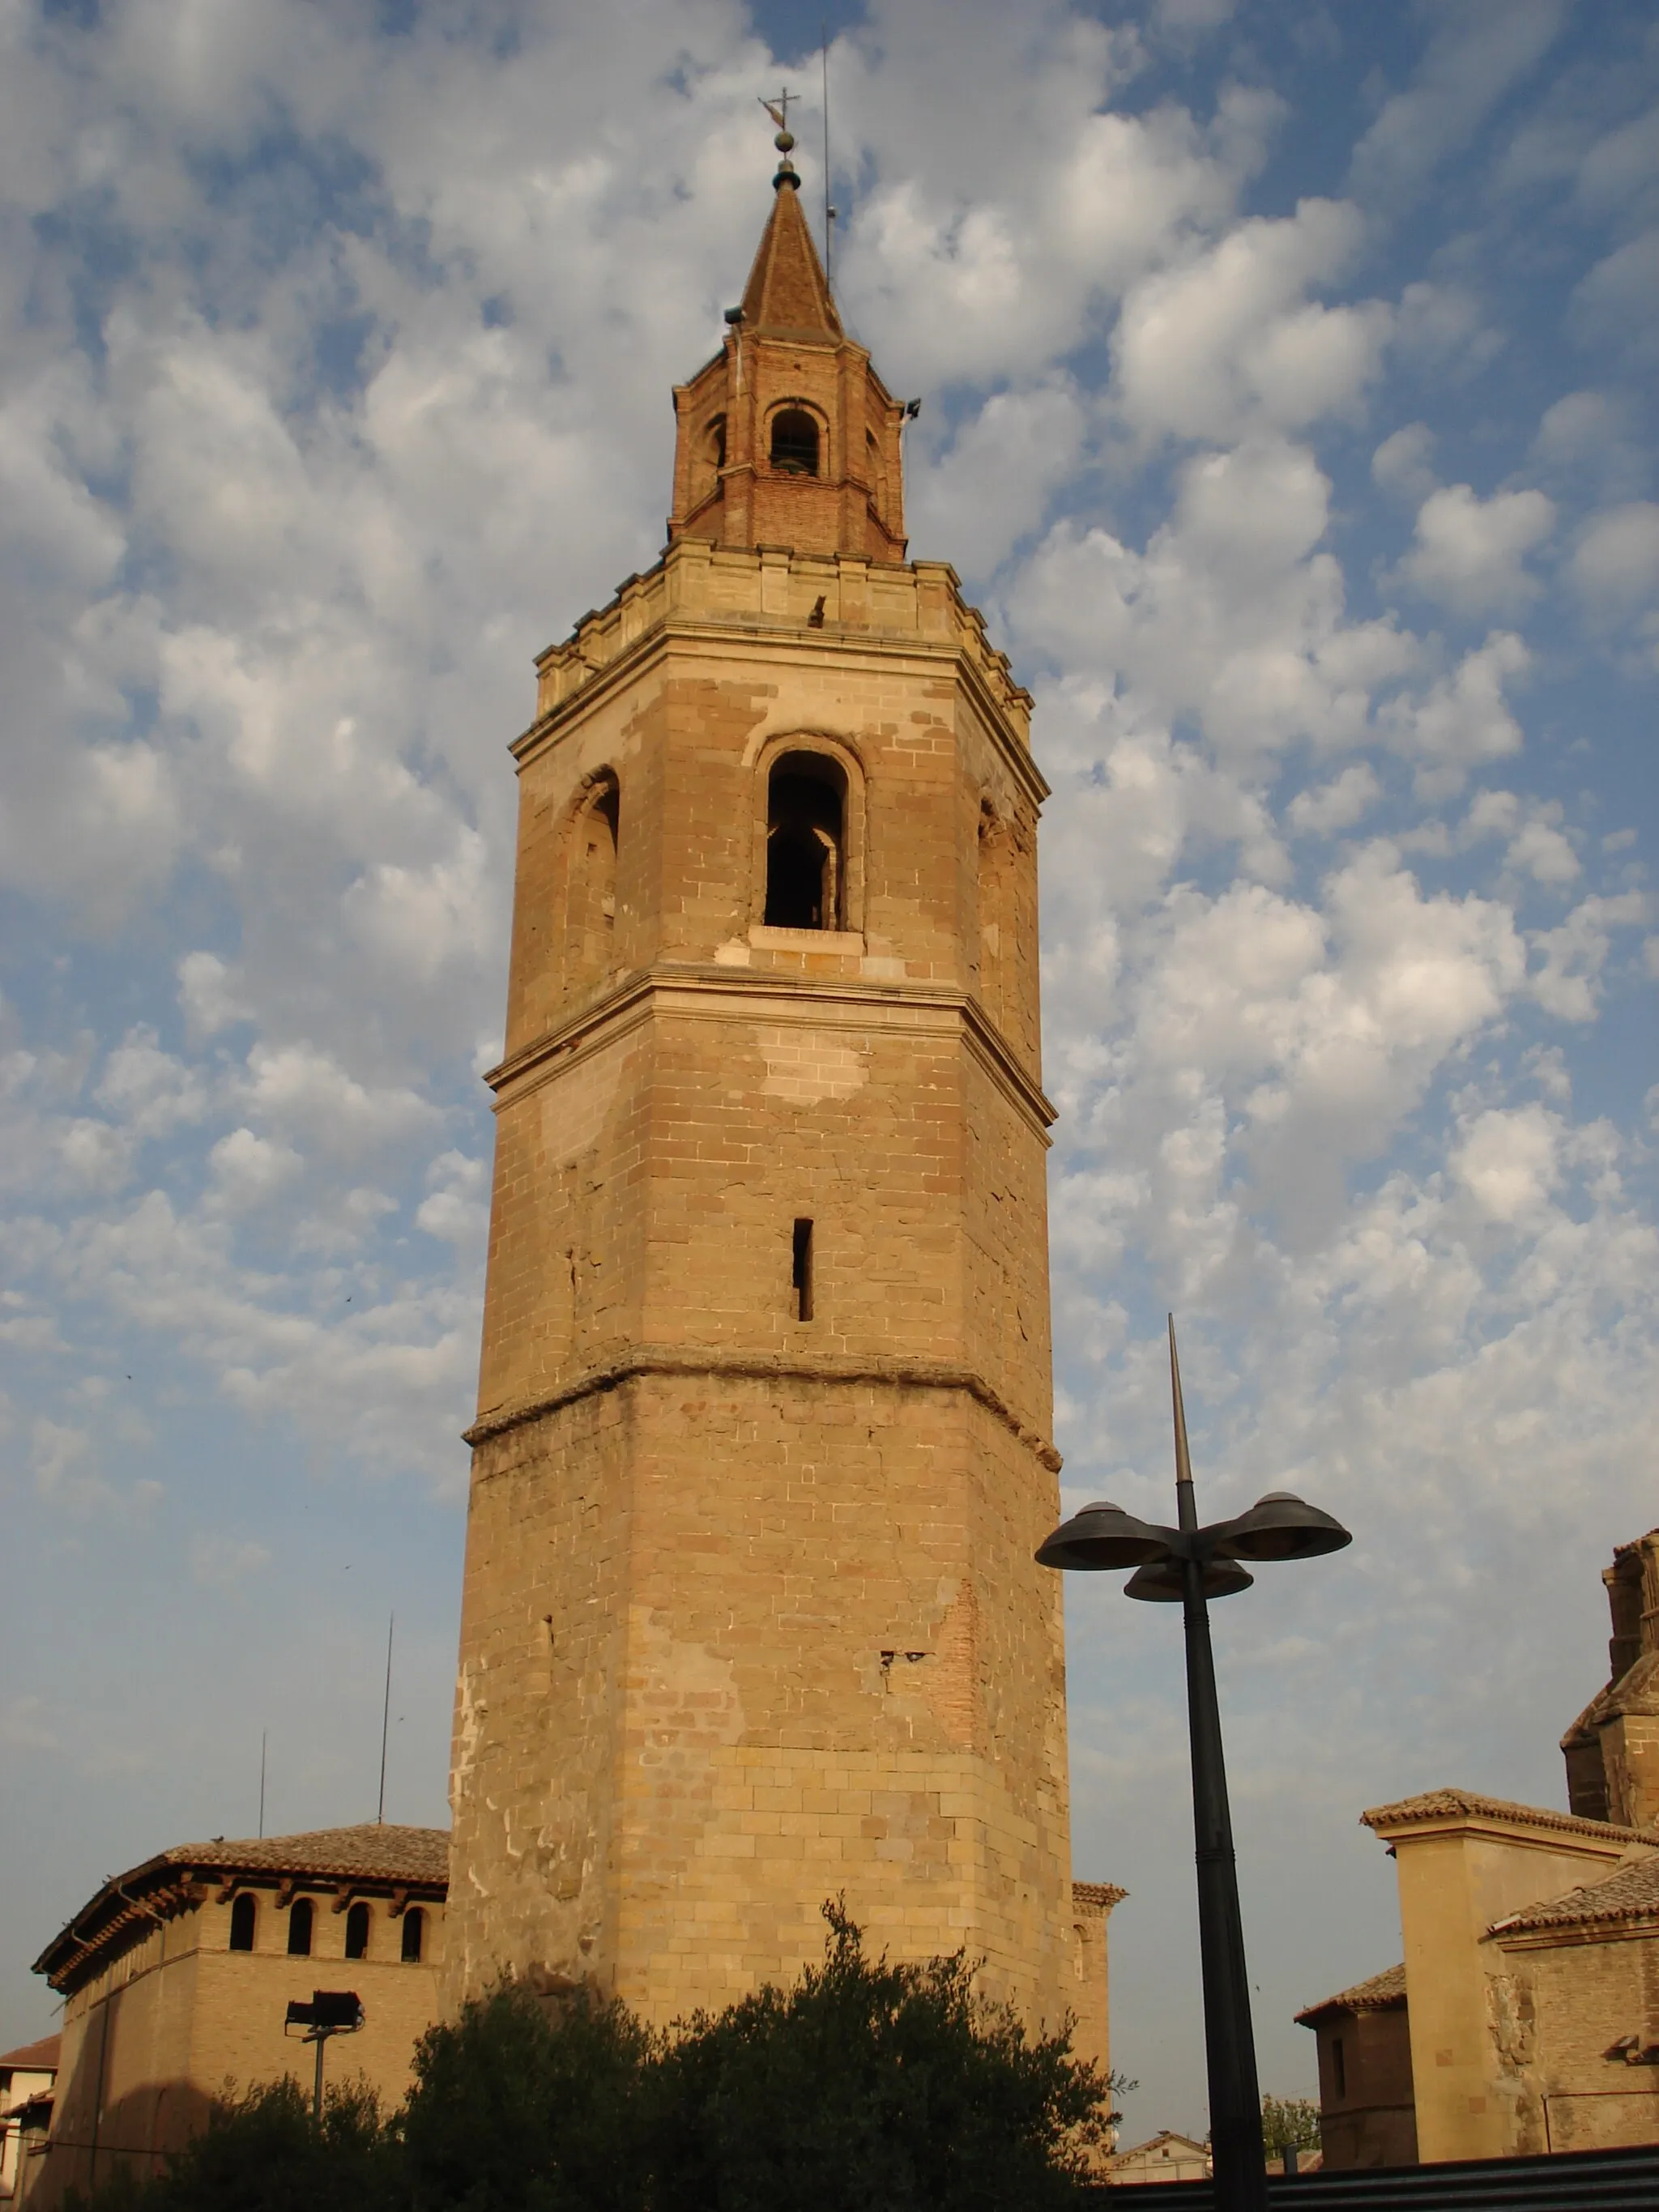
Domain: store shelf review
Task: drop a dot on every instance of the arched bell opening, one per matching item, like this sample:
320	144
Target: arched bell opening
806	843
794	447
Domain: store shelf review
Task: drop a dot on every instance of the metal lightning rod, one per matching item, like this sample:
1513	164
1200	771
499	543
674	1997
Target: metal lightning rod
385	1720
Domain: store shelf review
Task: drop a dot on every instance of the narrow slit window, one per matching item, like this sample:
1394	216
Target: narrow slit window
298	1927
414	1933
244	1917
801	1271
357	1931
1339	2067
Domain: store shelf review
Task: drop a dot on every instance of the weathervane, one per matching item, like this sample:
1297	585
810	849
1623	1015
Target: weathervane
778	109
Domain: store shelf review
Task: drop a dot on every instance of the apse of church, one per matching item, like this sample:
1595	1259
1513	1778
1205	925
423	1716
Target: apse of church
750	1615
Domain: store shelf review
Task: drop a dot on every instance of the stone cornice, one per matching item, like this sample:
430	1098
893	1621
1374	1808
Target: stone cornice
773	599
715	992
883	1372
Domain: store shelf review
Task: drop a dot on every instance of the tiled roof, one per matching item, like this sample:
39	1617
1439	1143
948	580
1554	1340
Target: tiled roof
1435	1804
1631	1894
33	2057
1381	1994
1103	1895
373	1855
372	1852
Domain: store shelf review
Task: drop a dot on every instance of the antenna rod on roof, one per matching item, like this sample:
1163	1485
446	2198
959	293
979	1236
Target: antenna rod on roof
262	1733
829	212
385	1720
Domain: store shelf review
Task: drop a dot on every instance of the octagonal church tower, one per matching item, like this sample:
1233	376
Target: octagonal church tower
750	1616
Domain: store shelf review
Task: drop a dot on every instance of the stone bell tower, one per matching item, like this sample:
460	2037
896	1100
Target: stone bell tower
750	1615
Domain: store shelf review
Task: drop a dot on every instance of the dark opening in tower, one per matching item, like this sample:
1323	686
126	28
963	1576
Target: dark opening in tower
794	443
806	848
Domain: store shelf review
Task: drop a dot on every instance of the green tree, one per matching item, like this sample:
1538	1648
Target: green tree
1288	2124
262	2152
871	2085
526	2104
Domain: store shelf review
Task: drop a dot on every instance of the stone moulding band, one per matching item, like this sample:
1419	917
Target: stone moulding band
883	1373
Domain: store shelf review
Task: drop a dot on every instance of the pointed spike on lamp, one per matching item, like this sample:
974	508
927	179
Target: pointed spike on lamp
1189	1566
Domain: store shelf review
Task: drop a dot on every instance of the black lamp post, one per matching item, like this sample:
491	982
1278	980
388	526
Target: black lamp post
331	2012
1190	1565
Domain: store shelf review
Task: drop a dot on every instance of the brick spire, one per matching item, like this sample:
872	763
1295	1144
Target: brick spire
787	294
788	437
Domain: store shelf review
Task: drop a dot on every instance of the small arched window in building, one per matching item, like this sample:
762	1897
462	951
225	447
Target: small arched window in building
806	843
715	443
794	443
592	889
414	1934
244	1918
357	1931
299	1915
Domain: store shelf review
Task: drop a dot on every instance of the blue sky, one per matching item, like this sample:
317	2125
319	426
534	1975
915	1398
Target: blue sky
1286	373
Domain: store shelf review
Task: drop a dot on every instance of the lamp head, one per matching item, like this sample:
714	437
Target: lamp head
1280	1527
1162	1583
1103	1535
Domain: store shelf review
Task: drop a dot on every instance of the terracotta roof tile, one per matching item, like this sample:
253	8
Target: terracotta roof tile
372	1852
1103	1895
1631	1894
33	2057
1382	1993
1470	1804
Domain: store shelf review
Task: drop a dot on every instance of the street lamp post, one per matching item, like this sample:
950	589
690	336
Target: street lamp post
1190	1565
331	2012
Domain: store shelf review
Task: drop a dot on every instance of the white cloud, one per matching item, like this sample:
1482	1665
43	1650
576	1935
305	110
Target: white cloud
1402	463
1615	563
224	1563
1322	808
1468	553
1229	340
1568	984
1478	49
993	484
1506	1160
1463	720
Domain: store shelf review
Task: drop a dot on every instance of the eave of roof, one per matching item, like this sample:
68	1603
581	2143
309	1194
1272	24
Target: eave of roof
1629	1895
1448	1804
1384	1992
374	1858
40	2057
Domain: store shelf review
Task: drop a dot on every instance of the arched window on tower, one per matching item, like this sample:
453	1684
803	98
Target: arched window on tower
806	843
357	1931
244	1918
414	1934
794	443
995	904
591	907
715	444
299	1915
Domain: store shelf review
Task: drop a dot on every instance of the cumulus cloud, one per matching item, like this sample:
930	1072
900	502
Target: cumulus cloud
1469	553
1478	49
1229	340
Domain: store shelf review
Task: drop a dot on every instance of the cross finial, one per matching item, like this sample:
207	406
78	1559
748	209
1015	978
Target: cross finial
778	109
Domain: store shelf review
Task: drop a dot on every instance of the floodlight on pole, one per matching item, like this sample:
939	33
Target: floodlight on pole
331	2012
1189	1565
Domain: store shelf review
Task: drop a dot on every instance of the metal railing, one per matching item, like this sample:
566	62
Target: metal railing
1625	2180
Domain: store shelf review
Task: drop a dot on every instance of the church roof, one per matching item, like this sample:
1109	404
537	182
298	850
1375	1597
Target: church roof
32	2057
1630	1894
1469	1804
373	1855
787	294
1382	1993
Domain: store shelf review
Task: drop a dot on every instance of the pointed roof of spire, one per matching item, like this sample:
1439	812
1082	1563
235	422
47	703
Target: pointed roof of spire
788	294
